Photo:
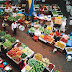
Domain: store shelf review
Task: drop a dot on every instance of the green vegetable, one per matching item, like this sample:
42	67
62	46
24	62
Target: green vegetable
7	44
23	45
23	55
2	13
41	29
32	61
36	65
47	32
28	51
7	36
32	30
13	18
2	33
32	70
54	12
12	39
3	40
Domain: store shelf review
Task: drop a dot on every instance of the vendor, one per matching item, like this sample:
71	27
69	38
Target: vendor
22	64
3	50
4	26
5	18
14	27
63	24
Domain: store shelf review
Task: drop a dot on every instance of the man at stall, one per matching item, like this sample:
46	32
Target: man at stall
14	27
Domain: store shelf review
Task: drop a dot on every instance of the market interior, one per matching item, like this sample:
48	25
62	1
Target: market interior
44	34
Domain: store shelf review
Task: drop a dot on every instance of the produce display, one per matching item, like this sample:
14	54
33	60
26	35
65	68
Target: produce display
7	44
52	34
27	68
54	12
23	55
2	13
15	49
16	58
57	33
42	36
32	61
32	29
50	39
38	66
2	40
23	45
49	28
69	49
12	39
21	20
27	51
50	66
41	29
63	39
60	45
38	56
47	32
46	37
32	70
2	33
16	54
7	36
19	53
12	53
65	36
45	61
13	18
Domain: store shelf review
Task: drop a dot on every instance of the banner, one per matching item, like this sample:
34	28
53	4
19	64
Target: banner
30	8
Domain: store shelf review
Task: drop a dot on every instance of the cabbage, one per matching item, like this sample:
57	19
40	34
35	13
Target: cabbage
7	44
12	39
7	36
32	30
2	33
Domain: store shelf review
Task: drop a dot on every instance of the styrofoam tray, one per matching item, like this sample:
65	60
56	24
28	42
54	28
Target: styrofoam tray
59	47
67	51
42	39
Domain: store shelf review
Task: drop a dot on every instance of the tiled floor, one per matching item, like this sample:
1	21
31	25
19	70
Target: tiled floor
58	58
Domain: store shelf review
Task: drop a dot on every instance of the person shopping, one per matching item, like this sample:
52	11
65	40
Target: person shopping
4	26
14	27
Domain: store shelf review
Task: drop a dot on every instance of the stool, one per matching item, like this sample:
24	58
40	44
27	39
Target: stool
35	38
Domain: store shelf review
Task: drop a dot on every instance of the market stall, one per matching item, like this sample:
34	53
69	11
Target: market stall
4	66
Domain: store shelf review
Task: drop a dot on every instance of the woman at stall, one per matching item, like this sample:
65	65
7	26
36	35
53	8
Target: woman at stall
22	64
4	26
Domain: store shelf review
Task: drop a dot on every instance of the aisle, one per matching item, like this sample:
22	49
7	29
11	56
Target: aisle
56	58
